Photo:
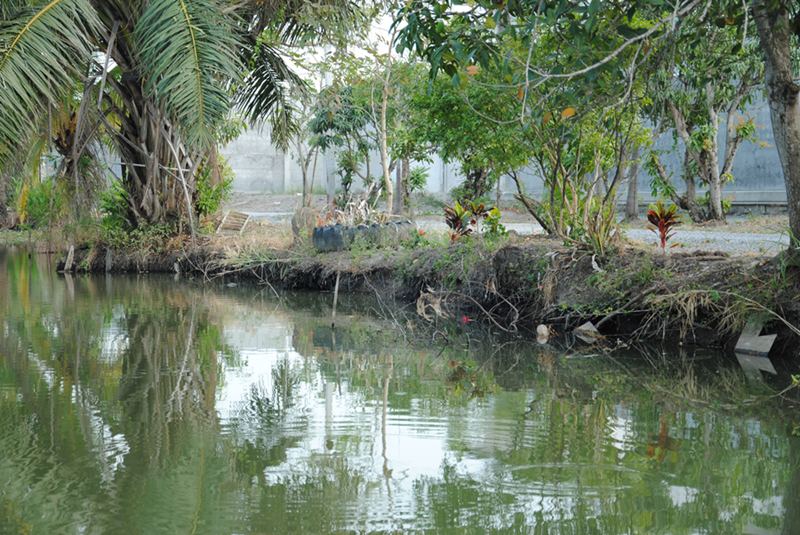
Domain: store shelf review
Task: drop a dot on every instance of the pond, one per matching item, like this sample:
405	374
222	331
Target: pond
143	404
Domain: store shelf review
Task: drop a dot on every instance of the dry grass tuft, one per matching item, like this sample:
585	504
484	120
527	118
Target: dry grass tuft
258	237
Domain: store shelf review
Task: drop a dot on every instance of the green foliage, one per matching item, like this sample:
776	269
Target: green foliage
473	125
210	193
141	240
463	220
186	49
41	49
457	219
46	203
114	208
417	179
493	227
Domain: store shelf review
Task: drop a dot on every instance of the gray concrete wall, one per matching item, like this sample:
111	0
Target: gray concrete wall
261	168
758	177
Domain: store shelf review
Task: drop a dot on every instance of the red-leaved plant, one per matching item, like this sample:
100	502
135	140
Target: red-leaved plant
663	219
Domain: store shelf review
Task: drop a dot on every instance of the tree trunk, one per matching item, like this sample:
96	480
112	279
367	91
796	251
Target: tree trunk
712	177
775	32
383	132
715	197
689	200
399	188
308	180
476	184
631	200
385	164
158	171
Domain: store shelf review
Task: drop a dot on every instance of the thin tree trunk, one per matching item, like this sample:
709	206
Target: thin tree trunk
775	32
406	201
689	201
309	196
712	178
383	133
631	200
399	189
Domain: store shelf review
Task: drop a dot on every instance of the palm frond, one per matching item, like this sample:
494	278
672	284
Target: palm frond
303	20
42	52
188	54
10	8
268	85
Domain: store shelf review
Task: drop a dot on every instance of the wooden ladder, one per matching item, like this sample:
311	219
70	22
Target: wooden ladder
233	222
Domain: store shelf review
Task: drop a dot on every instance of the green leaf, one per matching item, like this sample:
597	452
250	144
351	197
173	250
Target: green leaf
43	50
188	53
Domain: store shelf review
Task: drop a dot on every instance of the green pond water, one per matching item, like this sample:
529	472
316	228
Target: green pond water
149	405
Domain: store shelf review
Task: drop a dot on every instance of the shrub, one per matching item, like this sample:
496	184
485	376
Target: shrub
210	195
663	220
114	207
464	219
41	203
417	179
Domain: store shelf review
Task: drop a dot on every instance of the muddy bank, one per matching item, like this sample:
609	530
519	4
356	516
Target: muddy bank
696	297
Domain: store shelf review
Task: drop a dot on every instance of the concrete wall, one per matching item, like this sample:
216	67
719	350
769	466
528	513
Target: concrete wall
758	177
261	168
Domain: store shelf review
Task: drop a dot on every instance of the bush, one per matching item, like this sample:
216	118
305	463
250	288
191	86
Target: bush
114	207
209	196
417	179
40	204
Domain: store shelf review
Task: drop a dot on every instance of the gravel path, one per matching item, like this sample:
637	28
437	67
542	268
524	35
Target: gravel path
720	240
706	240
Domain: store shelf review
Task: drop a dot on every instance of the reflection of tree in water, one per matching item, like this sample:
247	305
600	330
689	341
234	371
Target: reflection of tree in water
167	383
257	427
128	437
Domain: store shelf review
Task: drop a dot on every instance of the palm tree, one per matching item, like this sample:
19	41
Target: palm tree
161	77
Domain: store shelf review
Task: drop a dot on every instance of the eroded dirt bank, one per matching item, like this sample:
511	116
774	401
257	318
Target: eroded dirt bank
697	297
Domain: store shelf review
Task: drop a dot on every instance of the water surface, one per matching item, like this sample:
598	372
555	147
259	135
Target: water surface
149	405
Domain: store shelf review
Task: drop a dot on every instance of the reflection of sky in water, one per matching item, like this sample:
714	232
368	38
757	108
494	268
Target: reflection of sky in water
417	446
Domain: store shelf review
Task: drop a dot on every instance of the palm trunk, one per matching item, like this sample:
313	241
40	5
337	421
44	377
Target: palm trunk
631	200
158	171
775	32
